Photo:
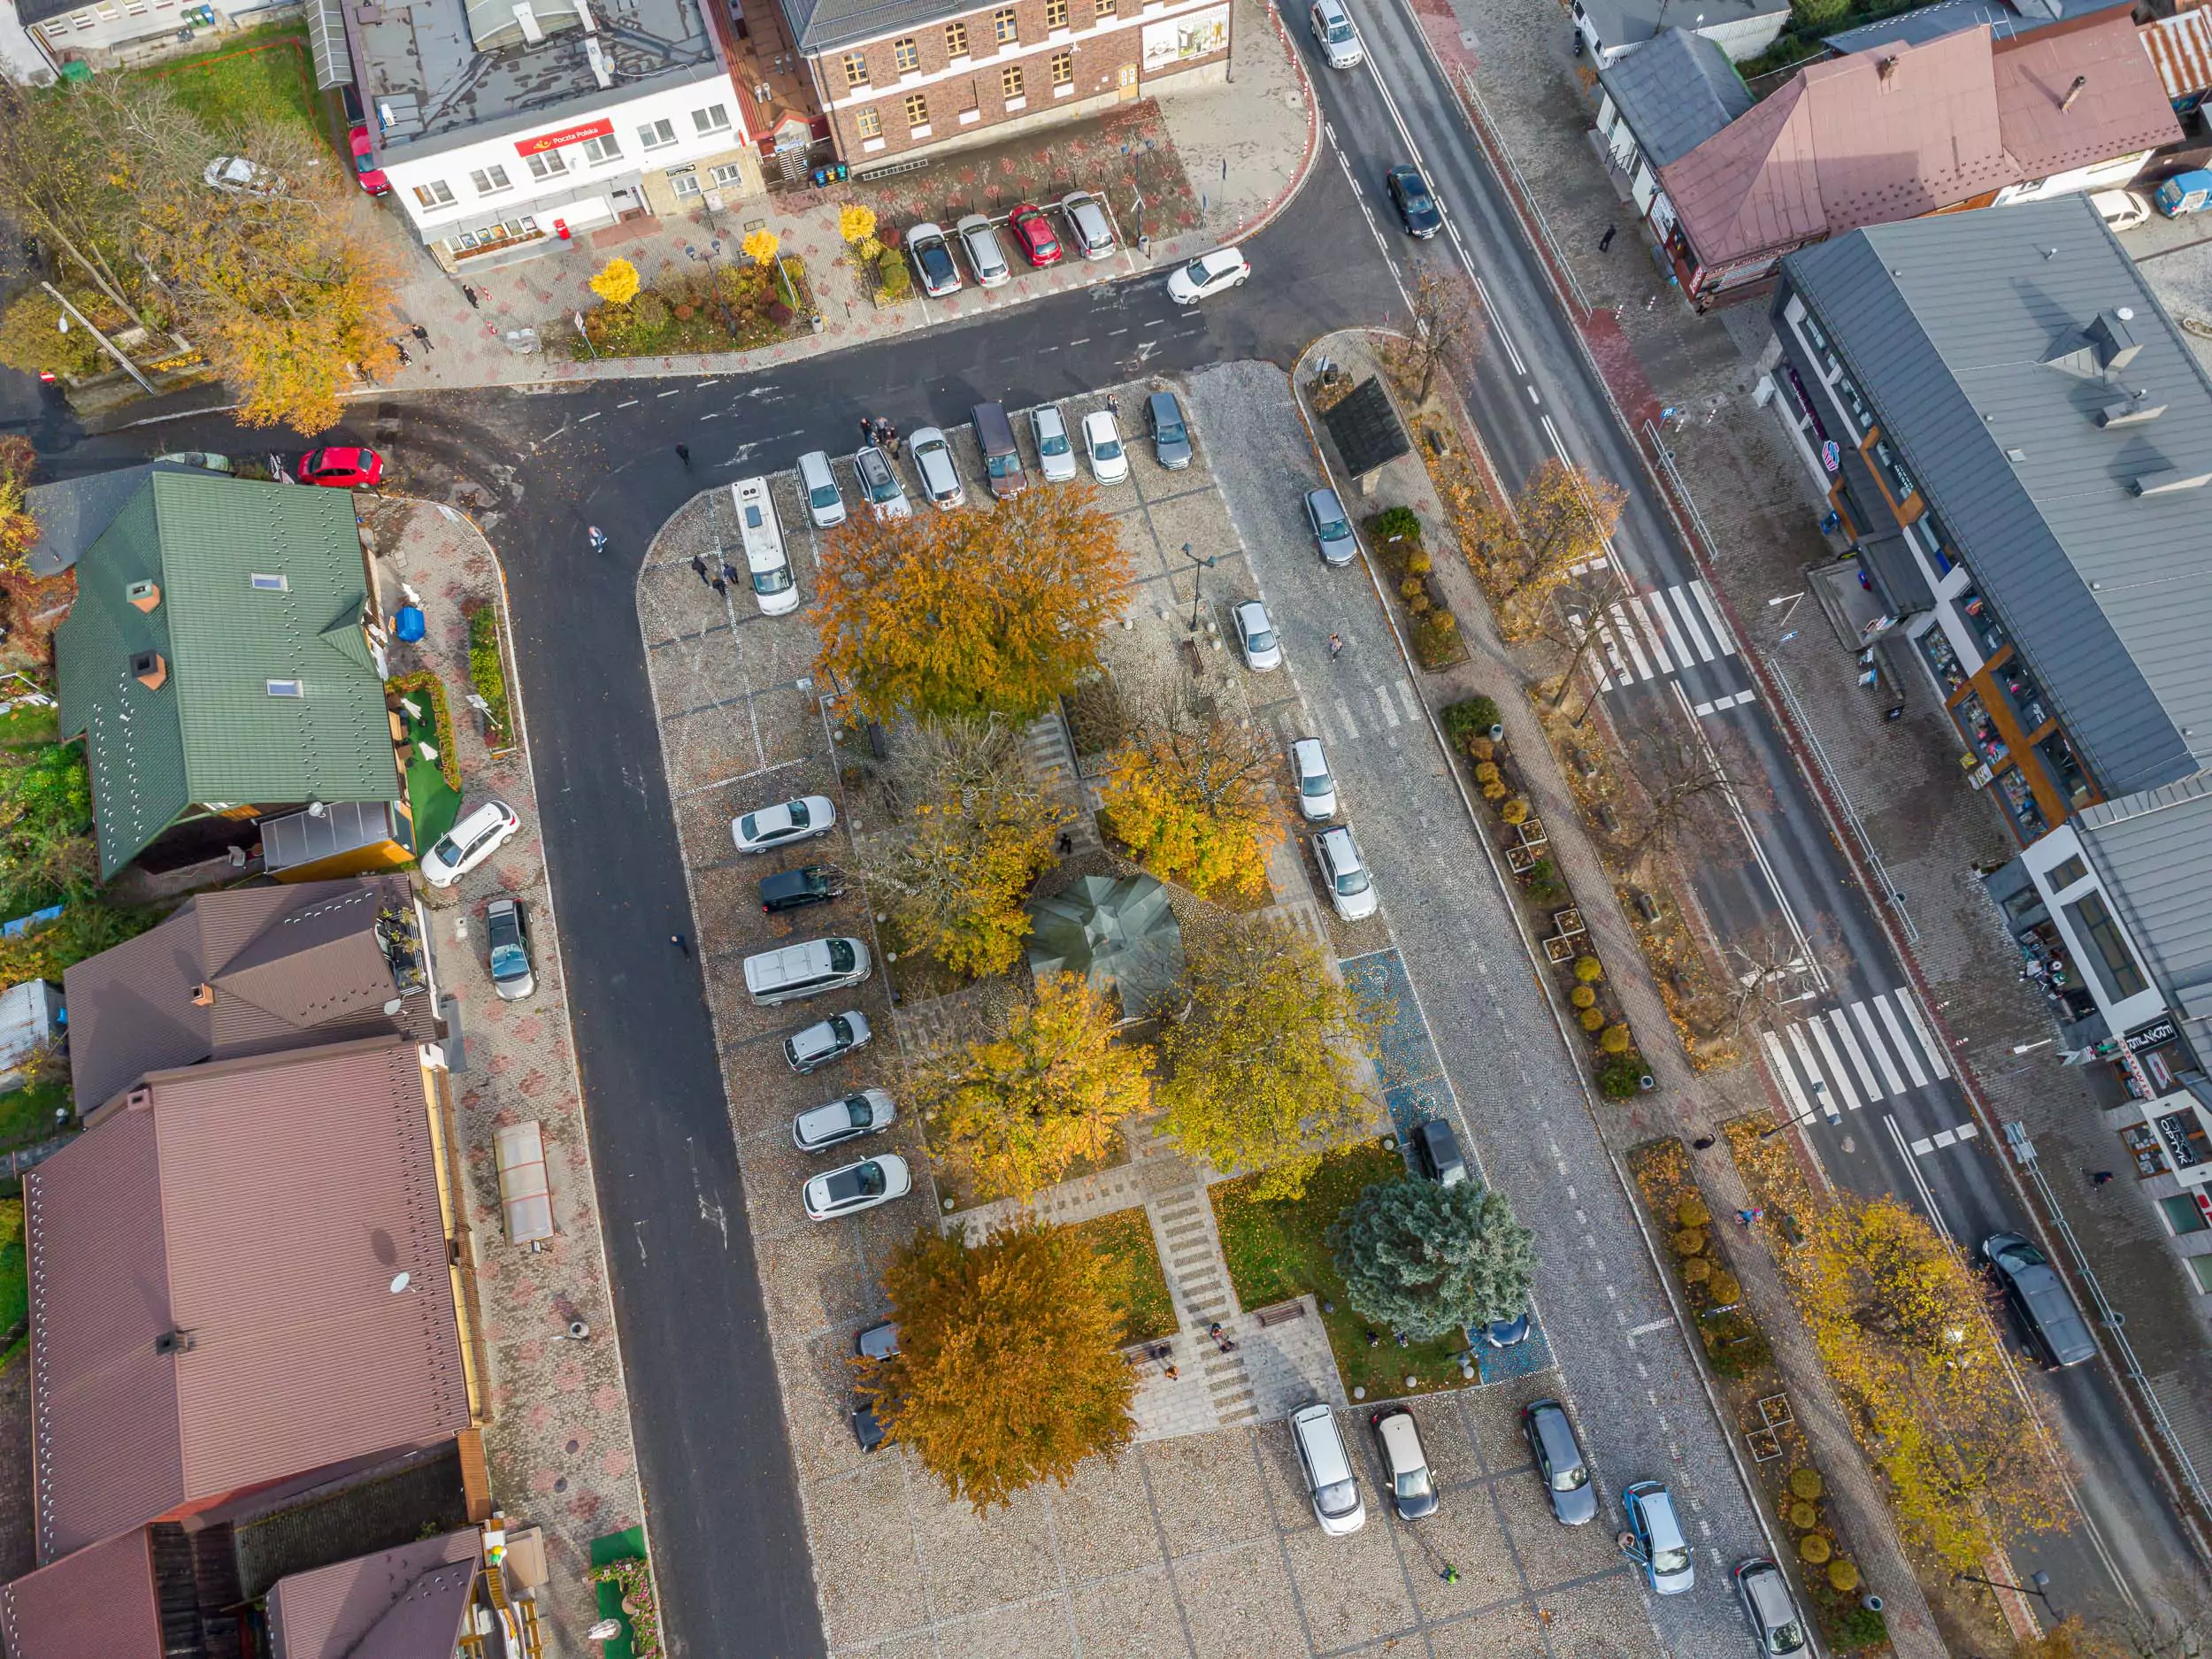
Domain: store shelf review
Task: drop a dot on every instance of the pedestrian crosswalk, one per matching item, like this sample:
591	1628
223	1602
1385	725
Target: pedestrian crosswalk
1641	636
1852	1056
1371	710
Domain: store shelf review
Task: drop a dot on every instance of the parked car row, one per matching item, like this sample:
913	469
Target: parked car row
1090	232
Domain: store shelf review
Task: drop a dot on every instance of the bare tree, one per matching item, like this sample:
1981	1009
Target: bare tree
1768	977
1576	621
1675	774
1445	330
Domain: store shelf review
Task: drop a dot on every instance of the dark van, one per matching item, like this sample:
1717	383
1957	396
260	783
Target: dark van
1002	461
796	889
2052	1327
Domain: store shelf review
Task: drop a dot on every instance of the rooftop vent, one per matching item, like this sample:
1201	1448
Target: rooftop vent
138	1099
203	994
148	669
527	20
174	1342
2136	411
1887	68
2072	92
2170	480
2112	339
145	595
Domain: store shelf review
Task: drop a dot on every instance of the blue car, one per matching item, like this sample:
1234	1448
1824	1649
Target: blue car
1659	1546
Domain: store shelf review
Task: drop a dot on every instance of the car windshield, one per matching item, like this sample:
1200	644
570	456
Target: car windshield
1053	444
882	486
1106	447
365	163
823	496
1003	465
508	960
859	1112
1351	881
447	851
841	956
1199	272
1666	1563
1787	1639
1172	431
1317	784
1262	641
1337	1497
869	1180
1413	1483
797	810
1334	529
774	581
936	260
1571	1480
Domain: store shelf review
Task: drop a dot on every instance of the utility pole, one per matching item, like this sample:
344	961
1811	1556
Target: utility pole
107	345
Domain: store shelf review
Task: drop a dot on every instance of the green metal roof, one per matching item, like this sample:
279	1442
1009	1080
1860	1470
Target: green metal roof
214	734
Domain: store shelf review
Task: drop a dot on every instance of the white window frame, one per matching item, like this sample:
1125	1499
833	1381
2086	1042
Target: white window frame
433	194
656	135
728	175
685	185
603	148
714	119
548	164
490	179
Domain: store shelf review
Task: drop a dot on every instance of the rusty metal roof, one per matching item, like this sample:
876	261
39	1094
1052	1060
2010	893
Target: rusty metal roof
211	1300
290	965
2180	49
400	1603
99	1600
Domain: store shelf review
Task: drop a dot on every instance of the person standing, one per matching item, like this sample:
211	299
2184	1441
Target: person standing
699	566
470	295
421	335
1606	241
867	431
890	436
683	454
403	358
721	584
1336	646
730	575
677	940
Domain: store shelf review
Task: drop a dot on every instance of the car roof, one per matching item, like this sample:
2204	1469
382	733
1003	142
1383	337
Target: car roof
1163	399
1247	607
1768	1590
925	434
1342	850
1324	493
1102	419
814	461
1401	1438
1048	414
1330	9
1556	1429
1656	1505
1307	752
478	819
924	230
1315	1426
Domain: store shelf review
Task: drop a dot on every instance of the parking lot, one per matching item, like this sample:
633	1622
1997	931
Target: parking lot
1204	1543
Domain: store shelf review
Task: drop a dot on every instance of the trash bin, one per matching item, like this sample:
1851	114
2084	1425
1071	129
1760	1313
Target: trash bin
408	626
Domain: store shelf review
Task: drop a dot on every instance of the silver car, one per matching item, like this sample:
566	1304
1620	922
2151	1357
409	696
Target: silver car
1344	872
1102	440
827	1039
1055	456
979	240
858	1186
1332	529
1263	648
863	1112
1776	1623
825	503
932	464
880	483
1088	219
1316	790
1333	33
779	826
507	939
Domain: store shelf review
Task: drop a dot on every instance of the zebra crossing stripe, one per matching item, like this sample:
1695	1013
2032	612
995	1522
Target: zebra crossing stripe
1912	1013
1864	1016
1897	1034
1689	620
1841	1083
1412	703
1652	631
1822	1041
1665	613
1389	714
1712	614
1777	1062
1344	711
1805	1054
1624	632
1850	1045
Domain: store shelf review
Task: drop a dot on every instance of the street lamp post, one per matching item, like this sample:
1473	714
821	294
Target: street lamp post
1199	567
2039	1585
1820	1101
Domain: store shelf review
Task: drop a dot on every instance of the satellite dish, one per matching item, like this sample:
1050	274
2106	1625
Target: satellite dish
400	1281
393	1006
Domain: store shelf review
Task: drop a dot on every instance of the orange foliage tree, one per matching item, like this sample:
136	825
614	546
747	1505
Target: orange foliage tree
1193	800
973	611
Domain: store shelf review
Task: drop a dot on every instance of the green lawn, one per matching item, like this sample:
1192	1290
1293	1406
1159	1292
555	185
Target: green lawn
15	1286
261	74
27	1115
28	727
434	802
1278	1249
1134	1283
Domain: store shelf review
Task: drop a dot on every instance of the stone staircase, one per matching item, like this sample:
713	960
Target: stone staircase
1197	1279
1048	759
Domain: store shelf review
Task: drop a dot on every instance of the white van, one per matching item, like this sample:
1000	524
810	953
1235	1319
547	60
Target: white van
774	588
807	970
1328	1469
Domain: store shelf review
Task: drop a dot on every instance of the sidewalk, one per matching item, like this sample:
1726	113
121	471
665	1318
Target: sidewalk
1215	163
559	1442
1925	827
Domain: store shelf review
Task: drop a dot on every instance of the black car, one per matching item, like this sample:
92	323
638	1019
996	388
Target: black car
1409	194
866	1430
796	889
2049	1323
1436	1149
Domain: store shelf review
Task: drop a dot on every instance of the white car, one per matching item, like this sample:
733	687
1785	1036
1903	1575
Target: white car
2121	210
241	177
863	1112
1210	273
1351	890
1316	790
1102	441
784	822
858	1186
1333	33
475	836
1263	650
880	483
1055	456
826	1040
932	464
824	501
1328	1471
932	258
979	240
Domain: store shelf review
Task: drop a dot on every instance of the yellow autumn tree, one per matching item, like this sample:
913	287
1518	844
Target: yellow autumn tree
1559	518
1904	1329
980	834
760	246
1010	1369
855	222
970	612
1046	1087
615	282
1193	800
1260	1069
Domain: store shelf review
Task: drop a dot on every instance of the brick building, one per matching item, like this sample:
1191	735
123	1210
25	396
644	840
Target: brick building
896	79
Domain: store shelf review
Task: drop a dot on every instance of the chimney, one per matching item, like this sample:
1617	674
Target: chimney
171	1342
204	996
2112	339
2072	92
145	595
2170	480
138	1099
149	670
528	18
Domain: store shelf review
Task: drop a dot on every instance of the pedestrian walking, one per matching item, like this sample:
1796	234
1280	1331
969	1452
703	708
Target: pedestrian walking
720	584
598	538
1703	1143
1606	241
472	296
699	566
729	574
2098	1178
403	358
683	454
867	432
891	439
1743	1217
1170	1374
677	940
1336	646
1450	1575
422	334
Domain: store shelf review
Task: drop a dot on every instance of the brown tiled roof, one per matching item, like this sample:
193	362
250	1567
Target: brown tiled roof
404	1603
98	1602
290	965
1895	132
210	1301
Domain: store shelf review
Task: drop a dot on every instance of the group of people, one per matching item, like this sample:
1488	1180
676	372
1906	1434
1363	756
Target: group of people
881	433
721	580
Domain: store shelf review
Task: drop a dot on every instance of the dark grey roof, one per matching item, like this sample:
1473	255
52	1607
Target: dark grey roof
1121	935
1677	92
1950	319
2154	851
73	513
431	87
1366	428
820	25
1948	17
1623	22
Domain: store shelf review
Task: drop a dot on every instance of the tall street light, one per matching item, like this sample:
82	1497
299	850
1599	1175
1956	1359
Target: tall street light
1199	567
2037	1586
1820	1102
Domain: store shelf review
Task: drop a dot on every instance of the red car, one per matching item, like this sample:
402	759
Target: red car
342	469
365	167
1032	235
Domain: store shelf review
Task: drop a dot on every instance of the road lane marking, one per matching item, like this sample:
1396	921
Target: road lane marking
1412	703
1652	634
1649	1325
1727	641
1344	710
1850	1045
1897	1036
1864	1016
1389	714
1837	1077
1910	1007
1912	1168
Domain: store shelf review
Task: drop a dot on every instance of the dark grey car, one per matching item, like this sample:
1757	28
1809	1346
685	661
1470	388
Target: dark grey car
1436	1149
1170	433
1332	529
2052	1327
507	937
1559	1460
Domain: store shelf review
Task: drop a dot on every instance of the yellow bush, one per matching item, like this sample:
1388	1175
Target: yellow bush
1803	1517
1516	810
1843	1577
1494	790
856	224
1591	1019
1691	1212
1418	562
1690	1242
1481	747
1696	1270
1589	970
1583	996
1727	1289
760	247
1615	1040
1418	603
616	282
1814	1548
1485	772
1806	1483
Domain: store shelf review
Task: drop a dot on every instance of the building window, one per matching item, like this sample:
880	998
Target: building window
956	39
285	688
491	180
437	193
1938	540
2200	1269
1063	69
906	55
855	69
713	119
729	174
266	584
2065	768
685	184
548	165
916	109
656	135
1854	403
2099	931
869	123
604	149
1056	14
1002	27
2183	1216
1981	620
1010	81
1105	8
2063	876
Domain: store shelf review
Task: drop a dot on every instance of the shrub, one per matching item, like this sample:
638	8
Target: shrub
685	310
1481	747
1689	1241
1417	602
1696	1270
1485	772
1843	1576
1516	810
1803	1516
869	249
1814	1548
649	312
1806	1483
1583	996
1592	1020
891	275
1727	1289
1735	1346
780	314
1621	1077
1691	1212
1397	523
1615	1040
1418	562
1545	888
1435	635
486	672
1859	1629
1443	623
1472	718
1589	970
1493	791
1411	586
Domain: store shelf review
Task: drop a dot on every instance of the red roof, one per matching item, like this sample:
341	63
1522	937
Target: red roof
401	1603
1895	132
99	1600
212	1307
